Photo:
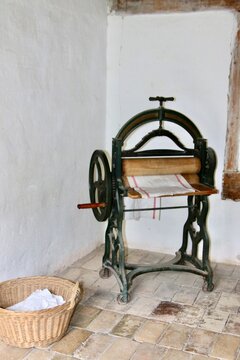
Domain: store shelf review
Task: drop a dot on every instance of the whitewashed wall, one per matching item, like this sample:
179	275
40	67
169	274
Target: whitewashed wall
52	100
186	56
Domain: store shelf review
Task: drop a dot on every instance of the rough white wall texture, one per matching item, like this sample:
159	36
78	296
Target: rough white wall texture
186	56
52	100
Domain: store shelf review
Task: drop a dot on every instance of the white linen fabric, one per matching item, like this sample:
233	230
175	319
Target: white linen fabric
138	204
159	185
38	300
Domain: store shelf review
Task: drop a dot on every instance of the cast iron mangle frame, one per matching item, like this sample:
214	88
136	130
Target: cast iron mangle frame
195	233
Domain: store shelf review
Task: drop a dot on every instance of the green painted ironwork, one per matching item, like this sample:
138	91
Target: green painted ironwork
195	228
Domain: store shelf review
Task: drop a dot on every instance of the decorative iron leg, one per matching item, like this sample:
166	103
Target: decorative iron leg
191	218
114	256
105	272
123	297
206	243
197	215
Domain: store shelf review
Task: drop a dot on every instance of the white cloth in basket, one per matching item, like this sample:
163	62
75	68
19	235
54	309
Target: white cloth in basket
38	300
159	185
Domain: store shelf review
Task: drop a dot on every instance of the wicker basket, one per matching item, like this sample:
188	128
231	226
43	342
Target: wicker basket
36	328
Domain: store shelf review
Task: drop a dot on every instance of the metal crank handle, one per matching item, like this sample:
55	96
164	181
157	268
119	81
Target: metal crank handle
91	205
161	99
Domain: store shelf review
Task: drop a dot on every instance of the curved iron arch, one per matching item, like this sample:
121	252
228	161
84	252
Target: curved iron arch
161	115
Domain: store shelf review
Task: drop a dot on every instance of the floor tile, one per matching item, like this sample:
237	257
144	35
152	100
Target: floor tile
186	295
105	321
225	284
143	306
150	331
114	305
229	302
150	258
62	357
104	284
127	326
87	277
37	354
214	320
167	290
167	311
98	251
201	357
121	349
100	298
186	279
71	341
200	341
199	283
146	283
70	273
135	255
94	263
176	336
93	347
167	276
87	293
168	257
237	287
236	273
208	299
84	315
148	352
233	325
173	354
226	347
190	315
84	276
224	269
8	352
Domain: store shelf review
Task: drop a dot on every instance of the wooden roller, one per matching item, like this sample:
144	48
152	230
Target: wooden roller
163	166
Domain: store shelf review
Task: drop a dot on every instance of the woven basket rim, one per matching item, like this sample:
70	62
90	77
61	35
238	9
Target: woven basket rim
36	277
77	292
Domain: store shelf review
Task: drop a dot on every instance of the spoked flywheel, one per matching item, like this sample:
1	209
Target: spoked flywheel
100	185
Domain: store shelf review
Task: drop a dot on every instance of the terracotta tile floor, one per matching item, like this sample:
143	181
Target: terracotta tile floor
169	317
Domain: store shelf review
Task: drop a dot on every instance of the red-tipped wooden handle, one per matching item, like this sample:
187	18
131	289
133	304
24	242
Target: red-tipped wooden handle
91	205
